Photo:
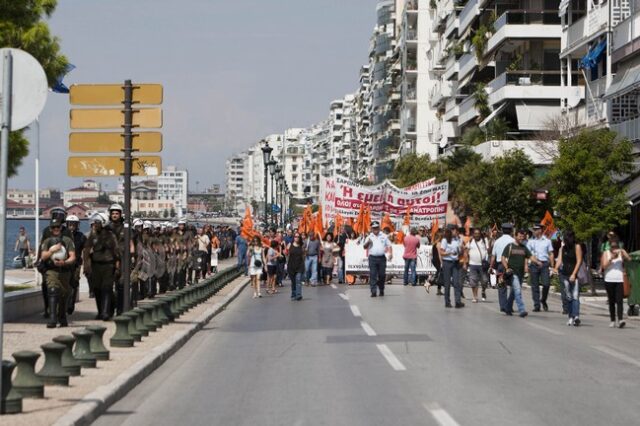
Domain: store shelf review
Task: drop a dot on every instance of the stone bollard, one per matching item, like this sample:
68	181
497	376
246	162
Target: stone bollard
121	338
147	318
166	308
155	315
162	307
173	305
144	331
53	373
10	400
82	351
180	306
27	383
95	344
131	328
69	363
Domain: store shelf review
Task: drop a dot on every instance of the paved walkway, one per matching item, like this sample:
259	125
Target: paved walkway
31	332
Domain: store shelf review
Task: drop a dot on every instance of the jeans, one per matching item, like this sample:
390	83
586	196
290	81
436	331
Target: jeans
311	266
341	269
296	285
451	276
572	296
516	293
377	271
242	260
410	272
615	294
539	276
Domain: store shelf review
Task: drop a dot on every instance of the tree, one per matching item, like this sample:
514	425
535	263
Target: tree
586	182
22	27
165	213
413	168
103	198
172	212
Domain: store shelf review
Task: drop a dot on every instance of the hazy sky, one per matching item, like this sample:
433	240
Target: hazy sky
233	71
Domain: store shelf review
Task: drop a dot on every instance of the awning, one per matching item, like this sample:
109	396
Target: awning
493	114
624	83
590	60
536	117
562	9
464	81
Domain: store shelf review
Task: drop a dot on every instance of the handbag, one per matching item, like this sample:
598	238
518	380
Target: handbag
583	273
257	263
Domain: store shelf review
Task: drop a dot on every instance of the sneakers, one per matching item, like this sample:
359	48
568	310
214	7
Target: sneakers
545	306
621	324
613	324
459	305
576	321
524	314
570	322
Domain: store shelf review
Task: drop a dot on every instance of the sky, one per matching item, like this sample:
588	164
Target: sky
233	72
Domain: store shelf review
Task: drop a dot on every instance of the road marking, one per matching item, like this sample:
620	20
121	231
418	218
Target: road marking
343	296
367	329
391	358
542	327
333	286
355	311
618	355
440	414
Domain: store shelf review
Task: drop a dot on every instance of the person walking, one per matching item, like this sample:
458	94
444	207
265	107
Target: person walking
255	265
477	264
330	252
295	266
567	266
271	260
79	240
612	264
312	250
23	246
241	252
411	244
496	265
378	246
450	250
514	262
542	249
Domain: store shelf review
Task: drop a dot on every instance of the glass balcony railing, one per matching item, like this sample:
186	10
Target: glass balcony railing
527	17
412	35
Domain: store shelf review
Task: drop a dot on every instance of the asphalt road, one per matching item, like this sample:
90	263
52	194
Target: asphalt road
339	357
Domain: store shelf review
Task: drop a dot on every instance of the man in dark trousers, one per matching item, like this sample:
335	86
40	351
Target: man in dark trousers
79	241
378	246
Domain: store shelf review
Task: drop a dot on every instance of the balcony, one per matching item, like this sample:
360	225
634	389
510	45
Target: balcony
623	34
524	25
452	67
411	93
585	29
467	110
411	6
451	110
383	43
409	126
468	14
523	85
411	36
467	63
452	24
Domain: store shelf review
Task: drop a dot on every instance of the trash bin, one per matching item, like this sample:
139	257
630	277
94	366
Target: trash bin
633	275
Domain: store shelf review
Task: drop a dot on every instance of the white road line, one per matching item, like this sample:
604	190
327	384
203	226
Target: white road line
367	329
355	311
343	296
618	355
542	327
333	286
440	414
391	358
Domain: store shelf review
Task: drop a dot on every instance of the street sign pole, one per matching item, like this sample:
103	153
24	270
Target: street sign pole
128	147
7	87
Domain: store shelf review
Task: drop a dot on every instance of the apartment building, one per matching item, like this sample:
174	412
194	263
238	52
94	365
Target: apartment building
172	186
235	179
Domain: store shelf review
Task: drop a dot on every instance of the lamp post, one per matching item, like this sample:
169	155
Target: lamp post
266	157
272	171
278	171
282	183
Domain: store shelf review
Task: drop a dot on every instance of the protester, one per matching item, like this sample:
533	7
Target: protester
569	261
612	261
271	260
411	244
514	262
330	252
477	250
379	246
255	265
497	266
295	266
450	250
312	251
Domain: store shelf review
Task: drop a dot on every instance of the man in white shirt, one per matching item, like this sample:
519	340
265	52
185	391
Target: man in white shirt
542	249
478	261
378	246
496	256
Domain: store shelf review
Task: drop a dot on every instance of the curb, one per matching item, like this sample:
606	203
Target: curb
92	405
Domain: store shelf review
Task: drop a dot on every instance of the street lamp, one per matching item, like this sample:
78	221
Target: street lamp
266	157
278	171
272	171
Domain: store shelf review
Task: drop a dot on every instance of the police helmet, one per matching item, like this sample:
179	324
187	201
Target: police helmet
147	225
58	213
72	218
137	222
182	222
115	207
98	218
55	223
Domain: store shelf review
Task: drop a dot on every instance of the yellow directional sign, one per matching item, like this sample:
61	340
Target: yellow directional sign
114	118
113	94
114	142
112	166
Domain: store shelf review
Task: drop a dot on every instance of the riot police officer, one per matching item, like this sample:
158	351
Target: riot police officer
79	240
58	253
116	226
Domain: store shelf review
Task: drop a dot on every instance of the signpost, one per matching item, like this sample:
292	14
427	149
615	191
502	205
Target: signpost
127	118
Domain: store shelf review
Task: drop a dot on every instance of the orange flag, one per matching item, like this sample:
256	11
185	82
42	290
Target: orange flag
366	223
434	229
337	225
352	223
358	227
386	223
549	226
467	226
246	230
319	227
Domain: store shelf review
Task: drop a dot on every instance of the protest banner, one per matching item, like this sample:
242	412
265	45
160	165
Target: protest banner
357	262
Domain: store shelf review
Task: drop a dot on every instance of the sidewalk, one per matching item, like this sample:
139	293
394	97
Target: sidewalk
31	332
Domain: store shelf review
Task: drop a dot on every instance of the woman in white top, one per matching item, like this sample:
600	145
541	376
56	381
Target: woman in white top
254	258
612	265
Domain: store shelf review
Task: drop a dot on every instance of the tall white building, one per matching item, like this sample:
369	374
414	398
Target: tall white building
172	185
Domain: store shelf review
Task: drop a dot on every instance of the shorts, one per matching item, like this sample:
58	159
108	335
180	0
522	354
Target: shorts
272	270
477	276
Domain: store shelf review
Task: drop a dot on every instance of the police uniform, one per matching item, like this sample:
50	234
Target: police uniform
57	279
79	240
377	246
101	255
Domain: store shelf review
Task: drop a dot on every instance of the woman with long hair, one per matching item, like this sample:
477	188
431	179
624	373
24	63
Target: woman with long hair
569	261
329	253
271	260
436	261
295	266
255	264
612	264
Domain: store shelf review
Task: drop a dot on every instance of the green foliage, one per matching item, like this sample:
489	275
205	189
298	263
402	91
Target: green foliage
496	129
482	35
586	182
103	198
473	136
433	4
21	26
413	168
516	63
481	100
